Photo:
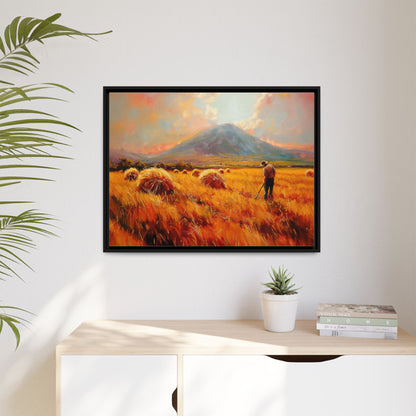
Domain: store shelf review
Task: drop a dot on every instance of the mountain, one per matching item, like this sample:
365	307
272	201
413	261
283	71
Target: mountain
224	141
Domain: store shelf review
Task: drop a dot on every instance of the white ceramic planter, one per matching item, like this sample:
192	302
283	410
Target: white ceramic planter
279	311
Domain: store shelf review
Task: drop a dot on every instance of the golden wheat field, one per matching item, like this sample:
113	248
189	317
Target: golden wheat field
196	215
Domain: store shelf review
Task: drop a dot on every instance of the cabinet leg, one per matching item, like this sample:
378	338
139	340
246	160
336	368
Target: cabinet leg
179	389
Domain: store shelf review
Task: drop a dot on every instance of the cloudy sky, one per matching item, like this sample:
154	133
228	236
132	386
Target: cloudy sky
153	122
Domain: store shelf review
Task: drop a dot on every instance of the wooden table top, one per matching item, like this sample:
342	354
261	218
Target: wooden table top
237	337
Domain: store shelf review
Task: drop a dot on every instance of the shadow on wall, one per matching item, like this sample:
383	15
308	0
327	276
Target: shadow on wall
28	387
35	392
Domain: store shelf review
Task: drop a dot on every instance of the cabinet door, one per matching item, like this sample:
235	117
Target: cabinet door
117	385
233	386
353	385
259	385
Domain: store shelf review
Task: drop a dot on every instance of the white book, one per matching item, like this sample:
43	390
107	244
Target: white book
357	334
356	328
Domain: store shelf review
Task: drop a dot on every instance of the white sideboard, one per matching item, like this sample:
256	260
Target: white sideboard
223	368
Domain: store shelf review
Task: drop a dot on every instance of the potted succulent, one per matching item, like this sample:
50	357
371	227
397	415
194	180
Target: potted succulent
280	301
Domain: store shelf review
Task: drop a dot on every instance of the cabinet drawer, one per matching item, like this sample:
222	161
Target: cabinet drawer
129	385
263	386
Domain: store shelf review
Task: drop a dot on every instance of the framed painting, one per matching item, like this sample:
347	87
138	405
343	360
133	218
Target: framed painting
211	169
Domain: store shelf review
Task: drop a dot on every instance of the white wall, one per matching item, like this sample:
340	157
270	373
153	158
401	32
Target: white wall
362	54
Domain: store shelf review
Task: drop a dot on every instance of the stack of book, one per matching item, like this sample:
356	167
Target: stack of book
357	321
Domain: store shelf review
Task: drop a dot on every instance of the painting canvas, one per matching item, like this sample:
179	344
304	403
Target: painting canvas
211	169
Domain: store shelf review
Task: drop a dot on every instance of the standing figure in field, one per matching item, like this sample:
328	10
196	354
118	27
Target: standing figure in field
269	173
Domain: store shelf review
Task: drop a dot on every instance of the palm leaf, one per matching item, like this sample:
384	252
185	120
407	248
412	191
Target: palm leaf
21	32
26	133
15	235
12	320
19	138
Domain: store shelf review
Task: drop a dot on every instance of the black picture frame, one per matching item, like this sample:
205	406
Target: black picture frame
107	90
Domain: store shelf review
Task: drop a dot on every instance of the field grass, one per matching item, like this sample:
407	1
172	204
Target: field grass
196	215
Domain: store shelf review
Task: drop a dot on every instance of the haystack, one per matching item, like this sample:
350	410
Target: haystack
221	171
155	180
176	171
196	173
212	179
185	172
309	173
131	174
228	170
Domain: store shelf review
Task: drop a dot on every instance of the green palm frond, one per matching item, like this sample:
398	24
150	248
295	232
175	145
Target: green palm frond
13	320
15	238
21	32
28	134
29	139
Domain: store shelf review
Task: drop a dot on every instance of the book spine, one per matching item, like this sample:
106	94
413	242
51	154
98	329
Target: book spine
380	315
335	320
356	334
389	329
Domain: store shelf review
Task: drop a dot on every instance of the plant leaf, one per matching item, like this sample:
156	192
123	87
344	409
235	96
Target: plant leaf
22	137
13	30
2	46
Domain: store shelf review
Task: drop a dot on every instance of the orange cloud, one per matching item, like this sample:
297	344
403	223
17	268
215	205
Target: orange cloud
153	122
283	118
250	125
142	100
